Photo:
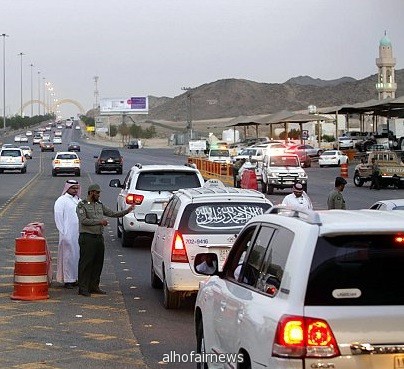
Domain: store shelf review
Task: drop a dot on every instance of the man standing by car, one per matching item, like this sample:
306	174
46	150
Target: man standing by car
298	199
375	175
91	213
335	198
67	224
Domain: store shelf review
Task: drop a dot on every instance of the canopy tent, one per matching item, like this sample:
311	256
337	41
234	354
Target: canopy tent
245	121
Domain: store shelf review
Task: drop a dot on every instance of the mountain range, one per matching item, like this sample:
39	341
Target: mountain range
234	97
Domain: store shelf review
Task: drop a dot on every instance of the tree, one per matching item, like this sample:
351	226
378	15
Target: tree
113	131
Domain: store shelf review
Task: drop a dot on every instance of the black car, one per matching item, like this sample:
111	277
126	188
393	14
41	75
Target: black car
73	146
109	160
133	144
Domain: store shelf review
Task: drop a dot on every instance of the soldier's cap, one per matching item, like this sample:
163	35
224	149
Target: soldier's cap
94	187
340	181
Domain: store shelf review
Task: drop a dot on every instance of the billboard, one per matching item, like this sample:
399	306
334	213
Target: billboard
129	105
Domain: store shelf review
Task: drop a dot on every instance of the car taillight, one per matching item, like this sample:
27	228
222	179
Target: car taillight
134	199
76	161
57	161
304	337
178	251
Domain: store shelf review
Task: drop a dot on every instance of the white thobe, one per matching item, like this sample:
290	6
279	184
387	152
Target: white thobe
67	224
302	202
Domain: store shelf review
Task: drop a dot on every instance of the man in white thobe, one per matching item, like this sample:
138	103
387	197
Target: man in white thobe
298	199
67	224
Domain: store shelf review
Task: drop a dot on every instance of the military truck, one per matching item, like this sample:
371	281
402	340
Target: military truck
391	169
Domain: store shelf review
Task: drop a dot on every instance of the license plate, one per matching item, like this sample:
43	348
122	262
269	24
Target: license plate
223	255
110	160
398	361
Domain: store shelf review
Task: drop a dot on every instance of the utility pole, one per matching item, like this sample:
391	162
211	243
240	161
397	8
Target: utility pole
189	110
32	92
21	55
4	79
96	94
39	93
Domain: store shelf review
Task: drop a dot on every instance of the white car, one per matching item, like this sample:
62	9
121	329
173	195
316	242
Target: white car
23	138
149	187
36	140
57	140
17	138
395	204
26	150
28	133
77	128
332	157
253	153
46	136
66	162
58	133
304	289
345	143
12	158
197	221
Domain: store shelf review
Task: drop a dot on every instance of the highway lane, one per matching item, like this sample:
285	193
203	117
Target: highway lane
157	330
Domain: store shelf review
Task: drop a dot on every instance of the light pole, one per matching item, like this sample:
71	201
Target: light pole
32	92
39	93
189	109
44	96
21	55
4	79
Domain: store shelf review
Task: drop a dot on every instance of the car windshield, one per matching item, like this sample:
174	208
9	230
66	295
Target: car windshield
249	152
284	161
357	270
221	217
167	181
219	153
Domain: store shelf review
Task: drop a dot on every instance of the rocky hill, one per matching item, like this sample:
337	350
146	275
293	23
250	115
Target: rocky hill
235	97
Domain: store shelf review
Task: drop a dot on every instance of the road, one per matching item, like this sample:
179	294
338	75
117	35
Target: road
29	197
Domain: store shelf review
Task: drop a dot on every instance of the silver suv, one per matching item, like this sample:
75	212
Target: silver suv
149	187
307	290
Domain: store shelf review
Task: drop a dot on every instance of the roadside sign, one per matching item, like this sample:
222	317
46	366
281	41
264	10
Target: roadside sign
305	134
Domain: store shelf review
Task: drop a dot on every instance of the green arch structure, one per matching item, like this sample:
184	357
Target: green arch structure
53	107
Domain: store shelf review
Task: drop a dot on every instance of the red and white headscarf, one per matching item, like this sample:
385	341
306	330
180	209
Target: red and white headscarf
69	183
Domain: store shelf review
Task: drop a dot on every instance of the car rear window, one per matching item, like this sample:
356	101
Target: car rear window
13	153
167	180
66	156
357	270
219	217
105	154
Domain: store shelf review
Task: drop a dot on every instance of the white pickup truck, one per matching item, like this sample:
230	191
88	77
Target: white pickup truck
281	170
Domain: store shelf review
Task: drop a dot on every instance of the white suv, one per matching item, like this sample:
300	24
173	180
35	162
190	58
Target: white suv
308	290
198	220
149	187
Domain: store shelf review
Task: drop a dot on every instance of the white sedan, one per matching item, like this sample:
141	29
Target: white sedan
332	157
395	204
57	140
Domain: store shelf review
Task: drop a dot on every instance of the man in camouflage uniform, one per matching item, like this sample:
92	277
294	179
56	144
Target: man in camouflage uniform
91	213
335	198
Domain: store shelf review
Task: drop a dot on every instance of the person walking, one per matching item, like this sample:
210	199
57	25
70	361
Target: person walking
67	224
298	199
335	198
375	175
91	214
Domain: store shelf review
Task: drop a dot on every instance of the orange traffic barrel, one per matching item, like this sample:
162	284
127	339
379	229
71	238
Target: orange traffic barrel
35	228
31	268
344	170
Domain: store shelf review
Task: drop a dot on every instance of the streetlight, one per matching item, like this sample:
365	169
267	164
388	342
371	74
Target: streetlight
32	94
189	119
39	93
44	96
4	79
21	55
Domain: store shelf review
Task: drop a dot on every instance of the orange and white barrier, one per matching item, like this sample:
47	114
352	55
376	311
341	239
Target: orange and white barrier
214	170
32	268
344	170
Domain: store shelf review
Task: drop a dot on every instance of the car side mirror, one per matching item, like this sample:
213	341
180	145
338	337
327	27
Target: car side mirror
206	263
115	183
151	218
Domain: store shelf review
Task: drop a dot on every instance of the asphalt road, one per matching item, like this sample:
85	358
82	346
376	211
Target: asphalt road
143	329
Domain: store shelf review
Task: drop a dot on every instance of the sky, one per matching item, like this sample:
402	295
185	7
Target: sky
157	47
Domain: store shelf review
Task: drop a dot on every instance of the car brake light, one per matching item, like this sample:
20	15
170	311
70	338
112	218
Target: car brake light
57	161
76	161
178	251
134	199
304	337
399	239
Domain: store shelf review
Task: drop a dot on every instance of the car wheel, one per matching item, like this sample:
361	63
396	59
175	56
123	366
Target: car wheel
77	174
358	181
270	189
97	171
118	231
127	239
200	345
119	171
155	281
172	300
321	166
263	187
24	170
